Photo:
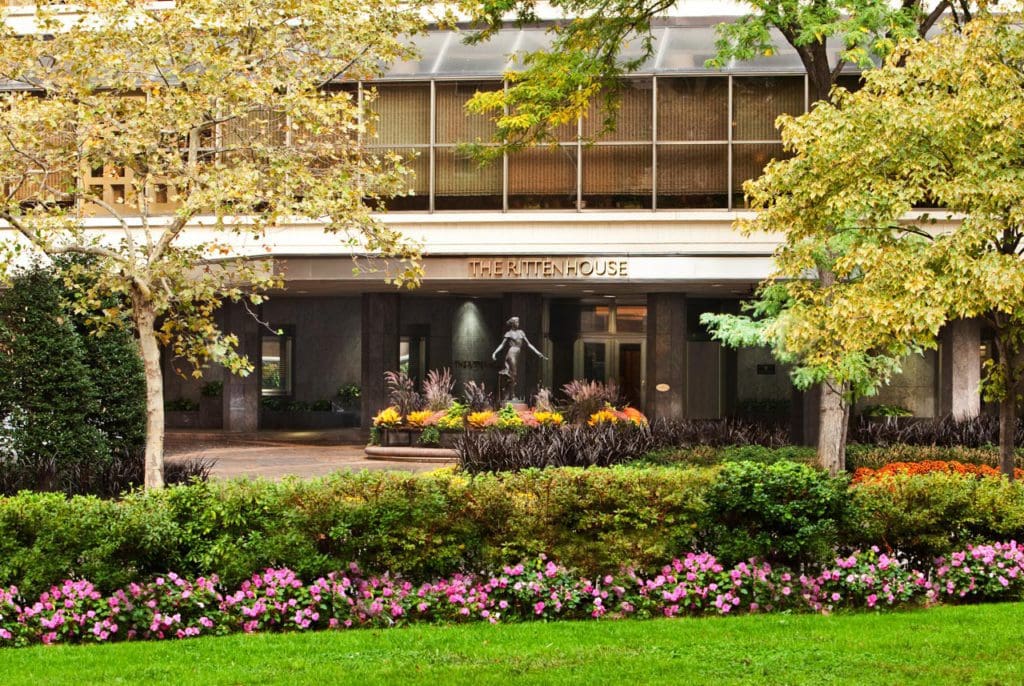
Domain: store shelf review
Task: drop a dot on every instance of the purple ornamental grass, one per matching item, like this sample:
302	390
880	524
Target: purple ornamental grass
696	584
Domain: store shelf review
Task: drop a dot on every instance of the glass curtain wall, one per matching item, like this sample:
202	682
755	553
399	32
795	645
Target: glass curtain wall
679	142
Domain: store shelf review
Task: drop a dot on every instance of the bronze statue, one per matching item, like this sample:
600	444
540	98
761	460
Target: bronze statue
515	338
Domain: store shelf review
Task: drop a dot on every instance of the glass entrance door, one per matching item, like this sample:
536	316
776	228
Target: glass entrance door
617	359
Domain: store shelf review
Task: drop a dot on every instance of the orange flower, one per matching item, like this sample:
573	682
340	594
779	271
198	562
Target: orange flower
928	467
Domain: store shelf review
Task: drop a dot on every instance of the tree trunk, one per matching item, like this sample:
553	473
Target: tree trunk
145	319
1008	432
832	425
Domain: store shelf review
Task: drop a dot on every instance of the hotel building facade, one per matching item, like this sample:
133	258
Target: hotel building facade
607	246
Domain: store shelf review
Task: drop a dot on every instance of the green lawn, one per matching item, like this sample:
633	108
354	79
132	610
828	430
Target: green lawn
945	645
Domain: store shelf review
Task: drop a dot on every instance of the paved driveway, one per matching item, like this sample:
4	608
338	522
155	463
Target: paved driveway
279	454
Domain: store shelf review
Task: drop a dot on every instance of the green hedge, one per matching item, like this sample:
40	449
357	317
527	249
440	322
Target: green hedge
422	526
928	515
417	526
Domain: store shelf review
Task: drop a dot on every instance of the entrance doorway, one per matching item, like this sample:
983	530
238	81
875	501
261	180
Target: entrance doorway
618	359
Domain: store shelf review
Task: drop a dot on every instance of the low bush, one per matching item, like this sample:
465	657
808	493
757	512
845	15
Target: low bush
877	456
927	515
782	512
684	433
928	467
946	431
417	526
707	455
107	478
600	445
596	521
170	607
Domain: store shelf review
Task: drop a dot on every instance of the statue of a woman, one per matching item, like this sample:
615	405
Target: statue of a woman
514	340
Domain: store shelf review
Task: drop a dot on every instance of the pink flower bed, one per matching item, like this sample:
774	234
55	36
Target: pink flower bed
277	600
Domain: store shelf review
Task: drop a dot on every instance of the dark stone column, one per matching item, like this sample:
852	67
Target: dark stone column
960	369
666	355
563	330
529	307
241	396
379	350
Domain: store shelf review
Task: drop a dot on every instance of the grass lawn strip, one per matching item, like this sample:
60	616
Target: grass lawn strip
973	644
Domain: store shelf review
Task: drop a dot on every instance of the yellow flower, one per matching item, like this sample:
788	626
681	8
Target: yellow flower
480	420
388	418
549	418
418	419
603	417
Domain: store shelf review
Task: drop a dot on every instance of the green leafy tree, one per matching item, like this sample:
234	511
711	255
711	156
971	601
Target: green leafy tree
585	62
48	401
226	113
941	124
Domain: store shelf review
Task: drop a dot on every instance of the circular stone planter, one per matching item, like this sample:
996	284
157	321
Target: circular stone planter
411	453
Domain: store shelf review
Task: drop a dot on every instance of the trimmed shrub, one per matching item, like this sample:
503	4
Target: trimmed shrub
417	526
783	512
928	515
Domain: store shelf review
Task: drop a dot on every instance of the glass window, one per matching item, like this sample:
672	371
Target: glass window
542	178
693	109
594	363
693	176
403	113
633	119
276	372
594	318
454	123
758	101
631	318
462	183
617	176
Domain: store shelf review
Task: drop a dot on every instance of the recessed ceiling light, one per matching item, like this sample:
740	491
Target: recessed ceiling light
588	290
559	285
607	296
442	291
716	285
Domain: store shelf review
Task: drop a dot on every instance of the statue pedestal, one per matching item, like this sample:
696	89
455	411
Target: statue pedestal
519	406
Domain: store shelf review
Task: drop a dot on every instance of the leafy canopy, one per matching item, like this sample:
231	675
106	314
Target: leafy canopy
941	124
601	40
236	115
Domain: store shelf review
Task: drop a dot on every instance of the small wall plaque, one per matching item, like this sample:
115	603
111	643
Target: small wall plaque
662	388
766	369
